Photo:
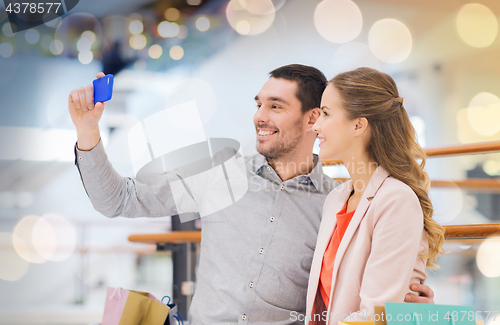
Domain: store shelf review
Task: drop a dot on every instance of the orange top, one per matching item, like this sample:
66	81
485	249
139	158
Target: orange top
325	277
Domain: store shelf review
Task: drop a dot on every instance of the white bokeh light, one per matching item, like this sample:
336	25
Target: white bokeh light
6	50
90	35
135	27
61	243
13	267
477	25
338	21
56	47
85	57
483	113
155	51
138	42
202	24
23	239
176	52
83	44
7	30
250	17
168	29
390	40
487	257
32	36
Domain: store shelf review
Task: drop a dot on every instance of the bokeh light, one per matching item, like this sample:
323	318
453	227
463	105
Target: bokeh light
168	29
44	238
491	167
6	30
13	267
477	25
7	199
138	42
390	40
85	57
135	27
56	47
6	50
32	36
23	239
183	32
194	2
172	14
483	113
61	243
487	257
202	24
90	35
155	51
250	17
176	52
338	21
83	44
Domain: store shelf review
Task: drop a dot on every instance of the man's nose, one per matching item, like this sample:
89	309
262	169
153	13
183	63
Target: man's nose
261	116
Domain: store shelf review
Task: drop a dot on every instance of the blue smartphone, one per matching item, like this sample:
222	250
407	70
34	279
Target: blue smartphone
103	88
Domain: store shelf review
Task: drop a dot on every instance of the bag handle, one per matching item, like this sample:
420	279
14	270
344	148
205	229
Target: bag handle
117	289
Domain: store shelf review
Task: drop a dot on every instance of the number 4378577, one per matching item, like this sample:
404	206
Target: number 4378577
32	8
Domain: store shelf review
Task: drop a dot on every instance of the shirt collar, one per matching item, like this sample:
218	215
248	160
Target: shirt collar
315	177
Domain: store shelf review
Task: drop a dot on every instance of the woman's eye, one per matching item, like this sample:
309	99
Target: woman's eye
258	106
325	113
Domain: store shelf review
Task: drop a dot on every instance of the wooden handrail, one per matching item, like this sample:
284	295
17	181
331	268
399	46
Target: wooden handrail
456	232
452	232
474	184
174	237
445	151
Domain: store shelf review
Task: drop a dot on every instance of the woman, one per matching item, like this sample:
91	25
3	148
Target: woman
377	234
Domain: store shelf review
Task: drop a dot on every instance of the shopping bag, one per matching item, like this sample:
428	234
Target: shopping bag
393	313
128	307
174	317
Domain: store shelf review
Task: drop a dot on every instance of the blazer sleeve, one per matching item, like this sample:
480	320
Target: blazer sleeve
398	227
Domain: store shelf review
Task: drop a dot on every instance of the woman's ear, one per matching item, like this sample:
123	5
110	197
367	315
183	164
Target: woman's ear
361	126
312	116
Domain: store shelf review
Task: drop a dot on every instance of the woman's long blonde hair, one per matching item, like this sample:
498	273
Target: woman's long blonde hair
393	143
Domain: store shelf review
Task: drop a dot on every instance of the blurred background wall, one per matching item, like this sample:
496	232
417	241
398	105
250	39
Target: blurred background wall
58	255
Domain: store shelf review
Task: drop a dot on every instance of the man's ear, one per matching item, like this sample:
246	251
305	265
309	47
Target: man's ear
312	116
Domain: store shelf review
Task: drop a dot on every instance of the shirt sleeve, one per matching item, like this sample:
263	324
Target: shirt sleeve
395	250
114	195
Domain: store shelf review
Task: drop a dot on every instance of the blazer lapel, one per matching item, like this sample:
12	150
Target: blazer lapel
376	181
328	223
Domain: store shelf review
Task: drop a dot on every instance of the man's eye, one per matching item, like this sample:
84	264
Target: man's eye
275	106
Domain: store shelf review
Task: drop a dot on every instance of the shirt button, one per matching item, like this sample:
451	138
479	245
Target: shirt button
80	158
244	316
282	186
261	250
268	168
272	218
250	284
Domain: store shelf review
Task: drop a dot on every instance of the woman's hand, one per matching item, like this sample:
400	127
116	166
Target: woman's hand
426	294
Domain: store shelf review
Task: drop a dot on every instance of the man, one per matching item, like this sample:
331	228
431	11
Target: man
255	254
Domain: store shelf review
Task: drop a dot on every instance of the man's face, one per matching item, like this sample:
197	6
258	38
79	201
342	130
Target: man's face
279	121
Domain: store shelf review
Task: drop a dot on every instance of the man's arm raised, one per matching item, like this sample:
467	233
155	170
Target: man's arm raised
111	194
85	115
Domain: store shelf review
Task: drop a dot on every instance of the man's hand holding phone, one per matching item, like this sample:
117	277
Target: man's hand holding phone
86	115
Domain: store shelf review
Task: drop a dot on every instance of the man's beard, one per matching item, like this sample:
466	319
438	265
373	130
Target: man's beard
284	147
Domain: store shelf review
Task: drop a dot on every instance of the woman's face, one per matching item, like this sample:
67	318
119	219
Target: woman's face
335	130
